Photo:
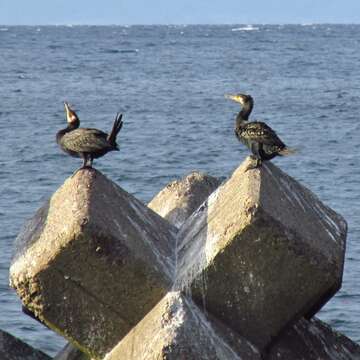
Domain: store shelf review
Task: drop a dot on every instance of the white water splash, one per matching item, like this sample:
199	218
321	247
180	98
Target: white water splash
312	203
246	28
165	263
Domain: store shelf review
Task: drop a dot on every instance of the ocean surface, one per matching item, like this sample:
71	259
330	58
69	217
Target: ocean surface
170	81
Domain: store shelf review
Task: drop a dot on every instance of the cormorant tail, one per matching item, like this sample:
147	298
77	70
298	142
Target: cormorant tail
118	123
286	151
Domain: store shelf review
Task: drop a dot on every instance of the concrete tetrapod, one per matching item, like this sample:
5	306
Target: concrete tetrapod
306	339
176	329
12	348
180	198
261	252
314	340
93	261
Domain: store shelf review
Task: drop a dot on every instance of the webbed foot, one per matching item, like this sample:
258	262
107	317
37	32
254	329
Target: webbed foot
255	163
88	167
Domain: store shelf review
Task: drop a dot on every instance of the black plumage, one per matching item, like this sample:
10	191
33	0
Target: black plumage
256	135
86	143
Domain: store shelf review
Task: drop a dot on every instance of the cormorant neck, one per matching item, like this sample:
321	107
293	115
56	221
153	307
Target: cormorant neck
245	111
73	125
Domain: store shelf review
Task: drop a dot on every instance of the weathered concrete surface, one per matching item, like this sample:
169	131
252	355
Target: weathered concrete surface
314	340
93	261
306	340
12	348
69	352
180	198
177	330
261	252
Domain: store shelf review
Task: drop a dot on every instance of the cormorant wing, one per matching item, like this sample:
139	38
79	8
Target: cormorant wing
86	140
95	132
262	133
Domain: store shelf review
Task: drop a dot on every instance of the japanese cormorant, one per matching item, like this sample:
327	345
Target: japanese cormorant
257	136
88	144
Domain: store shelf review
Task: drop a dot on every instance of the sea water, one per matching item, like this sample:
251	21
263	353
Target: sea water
170	81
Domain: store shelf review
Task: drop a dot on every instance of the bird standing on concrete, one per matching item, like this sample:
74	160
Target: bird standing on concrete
86	143
257	136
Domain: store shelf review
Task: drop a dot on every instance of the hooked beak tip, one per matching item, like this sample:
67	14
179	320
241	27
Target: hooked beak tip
229	96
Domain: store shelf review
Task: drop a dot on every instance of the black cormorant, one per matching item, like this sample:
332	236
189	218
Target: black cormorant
257	136
88	144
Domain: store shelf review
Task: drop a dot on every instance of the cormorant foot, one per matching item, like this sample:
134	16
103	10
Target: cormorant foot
82	168
256	164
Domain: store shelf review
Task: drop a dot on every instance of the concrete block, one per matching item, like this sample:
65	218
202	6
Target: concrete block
12	348
261	252
93	261
176	329
314	340
180	198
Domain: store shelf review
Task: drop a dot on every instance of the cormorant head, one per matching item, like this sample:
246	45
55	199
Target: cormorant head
71	117
243	99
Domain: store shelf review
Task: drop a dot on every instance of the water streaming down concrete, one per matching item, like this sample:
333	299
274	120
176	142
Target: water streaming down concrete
252	242
176	328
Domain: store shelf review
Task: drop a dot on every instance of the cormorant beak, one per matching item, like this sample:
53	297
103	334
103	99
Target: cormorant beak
67	107
70	114
235	98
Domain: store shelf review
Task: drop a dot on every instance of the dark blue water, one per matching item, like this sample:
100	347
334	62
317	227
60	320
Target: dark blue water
170	82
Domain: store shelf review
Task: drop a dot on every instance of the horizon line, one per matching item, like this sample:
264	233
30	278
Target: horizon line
190	24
